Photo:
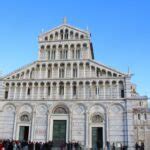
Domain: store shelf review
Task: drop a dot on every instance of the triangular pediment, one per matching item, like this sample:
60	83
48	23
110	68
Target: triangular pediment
63	28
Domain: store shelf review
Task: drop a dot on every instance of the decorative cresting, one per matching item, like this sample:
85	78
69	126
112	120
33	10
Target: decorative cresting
97	118
25	117
60	110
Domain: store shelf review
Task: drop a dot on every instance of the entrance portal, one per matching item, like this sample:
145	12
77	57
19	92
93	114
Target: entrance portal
97	137
59	132
23	133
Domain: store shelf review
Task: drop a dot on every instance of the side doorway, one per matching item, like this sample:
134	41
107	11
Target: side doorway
97	138
23	133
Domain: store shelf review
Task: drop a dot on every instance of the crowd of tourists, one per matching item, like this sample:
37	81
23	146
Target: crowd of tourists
23	145
139	146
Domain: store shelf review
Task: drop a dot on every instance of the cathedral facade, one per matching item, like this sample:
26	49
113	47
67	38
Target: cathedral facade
68	96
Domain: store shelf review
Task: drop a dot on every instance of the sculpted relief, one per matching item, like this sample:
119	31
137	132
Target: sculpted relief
79	109
41	110
25	118
60	110
97	119
9	108
116	109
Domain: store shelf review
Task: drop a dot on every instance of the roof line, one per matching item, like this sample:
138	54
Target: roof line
81	30
18	69
108	67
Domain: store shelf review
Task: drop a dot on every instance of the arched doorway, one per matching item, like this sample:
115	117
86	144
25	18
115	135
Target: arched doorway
97	131
24	127
59	125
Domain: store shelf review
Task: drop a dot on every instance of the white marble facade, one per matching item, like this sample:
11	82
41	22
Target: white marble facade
66	83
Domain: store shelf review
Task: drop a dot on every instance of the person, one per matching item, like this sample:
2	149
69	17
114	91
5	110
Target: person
142	146
14	145
30	145
136	146
1	145
113	146
108	145
76	145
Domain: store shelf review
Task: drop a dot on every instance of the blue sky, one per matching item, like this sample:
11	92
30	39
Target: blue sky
120	32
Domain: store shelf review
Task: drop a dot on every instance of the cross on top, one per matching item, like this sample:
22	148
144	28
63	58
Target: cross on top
65	20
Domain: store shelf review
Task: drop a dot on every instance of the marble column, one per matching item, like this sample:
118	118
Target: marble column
87	129
32	126
15	92
45	91
10	92
33	90
65	90
84	88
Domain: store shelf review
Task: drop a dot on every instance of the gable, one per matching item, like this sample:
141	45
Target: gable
73	32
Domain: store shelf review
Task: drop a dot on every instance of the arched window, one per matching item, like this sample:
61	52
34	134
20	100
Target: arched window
98	72
109	74
61	54
51	37
61	89
145	116
85	46
49	73
61	72
66	52
103	73
140	103
78	52
61	34
76	36
53	53
82	36
48	55
74	90
121	89
139	116
66	34
71	34
75	72
6	94
73	54
107	89
29	91
114	89
46	38
72	50
56	35
48	90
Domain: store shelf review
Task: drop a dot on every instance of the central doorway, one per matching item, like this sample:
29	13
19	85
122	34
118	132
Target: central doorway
97	137
23	133
59	132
